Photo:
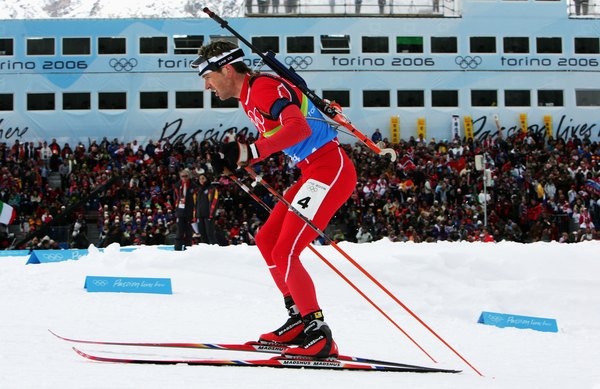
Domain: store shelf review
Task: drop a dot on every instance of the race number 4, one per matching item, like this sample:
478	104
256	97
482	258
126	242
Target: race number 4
309	198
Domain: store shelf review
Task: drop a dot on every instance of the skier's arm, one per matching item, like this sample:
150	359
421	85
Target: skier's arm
294	129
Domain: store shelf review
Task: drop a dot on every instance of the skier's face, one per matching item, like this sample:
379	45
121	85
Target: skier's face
221	83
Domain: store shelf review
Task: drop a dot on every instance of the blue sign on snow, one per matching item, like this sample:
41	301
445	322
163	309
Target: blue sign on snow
128	285
524	322
47	256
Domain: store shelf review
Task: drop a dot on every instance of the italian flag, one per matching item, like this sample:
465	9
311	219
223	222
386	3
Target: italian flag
7	213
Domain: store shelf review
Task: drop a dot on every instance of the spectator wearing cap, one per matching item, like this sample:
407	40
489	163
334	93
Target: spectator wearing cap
185	201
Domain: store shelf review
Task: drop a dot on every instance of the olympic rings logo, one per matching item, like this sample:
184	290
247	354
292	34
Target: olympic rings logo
495	318
100	283
468	62
53	257
298	62
123	64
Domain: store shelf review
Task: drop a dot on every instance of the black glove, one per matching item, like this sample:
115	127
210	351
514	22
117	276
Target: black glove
232	155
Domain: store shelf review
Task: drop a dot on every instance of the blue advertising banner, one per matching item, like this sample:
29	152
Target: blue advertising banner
128	285
13	253
524	322
47	256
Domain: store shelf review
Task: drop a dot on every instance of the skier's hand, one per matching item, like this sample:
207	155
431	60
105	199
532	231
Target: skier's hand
217	163
233	155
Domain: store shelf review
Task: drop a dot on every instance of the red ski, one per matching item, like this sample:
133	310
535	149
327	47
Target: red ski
276	362
269	348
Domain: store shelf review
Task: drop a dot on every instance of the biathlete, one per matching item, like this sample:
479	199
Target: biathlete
286	121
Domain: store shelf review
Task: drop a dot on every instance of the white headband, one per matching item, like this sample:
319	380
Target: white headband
207	65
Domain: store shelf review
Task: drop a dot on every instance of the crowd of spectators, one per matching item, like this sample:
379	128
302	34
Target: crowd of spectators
536	189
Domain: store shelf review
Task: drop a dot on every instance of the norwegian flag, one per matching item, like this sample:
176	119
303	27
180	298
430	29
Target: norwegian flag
406	163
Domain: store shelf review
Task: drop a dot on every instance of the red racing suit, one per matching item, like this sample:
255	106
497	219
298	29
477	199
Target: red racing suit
287	121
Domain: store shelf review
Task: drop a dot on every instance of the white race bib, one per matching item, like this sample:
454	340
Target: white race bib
309	197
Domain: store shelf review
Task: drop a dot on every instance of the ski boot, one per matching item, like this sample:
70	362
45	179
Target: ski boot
291	332
318	343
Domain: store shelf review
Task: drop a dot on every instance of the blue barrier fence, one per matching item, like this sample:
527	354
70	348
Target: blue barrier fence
49	256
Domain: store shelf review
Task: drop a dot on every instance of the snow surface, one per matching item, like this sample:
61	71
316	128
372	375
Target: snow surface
40	9
225	294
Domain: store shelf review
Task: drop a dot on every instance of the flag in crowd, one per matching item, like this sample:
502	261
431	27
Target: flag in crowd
593	185
7	213
406	163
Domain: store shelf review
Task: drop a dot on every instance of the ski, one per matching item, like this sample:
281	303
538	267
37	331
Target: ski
269	348
276	362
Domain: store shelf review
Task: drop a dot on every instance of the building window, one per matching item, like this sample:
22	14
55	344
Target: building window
187	44
442	45
6	102
6	46
444	98
266	43
484	98
40	46
216	102
153	45
73	100
409	44
516	45
40	102
549	45
76	46
411	98
300	44
375	44
154	100
517	98
376	98
587	97
550	98
192	99
112	100
482	44
342	97
112	45
335	44
586	46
